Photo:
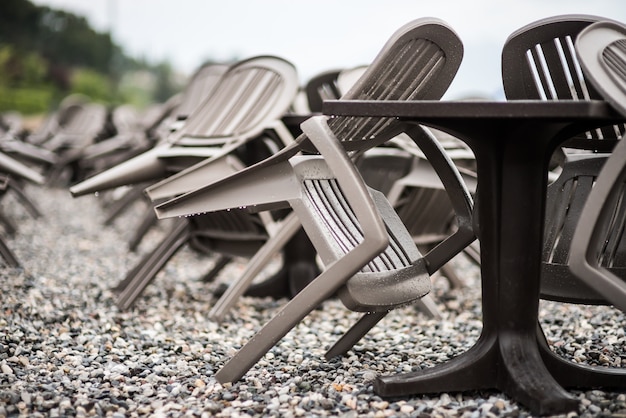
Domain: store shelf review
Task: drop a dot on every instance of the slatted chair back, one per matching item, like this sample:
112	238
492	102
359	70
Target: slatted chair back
539	62
250	95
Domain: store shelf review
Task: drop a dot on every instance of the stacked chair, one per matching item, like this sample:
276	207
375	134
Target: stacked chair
153	129
370	259
244	107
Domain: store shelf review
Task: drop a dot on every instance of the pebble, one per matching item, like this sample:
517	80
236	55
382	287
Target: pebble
66	350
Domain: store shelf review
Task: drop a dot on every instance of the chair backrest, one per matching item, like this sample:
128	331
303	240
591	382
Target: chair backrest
199	88
566	199
250	95
85	122
125	120
597	250
602	52
348	77
381	167
539	62
418	63
322	87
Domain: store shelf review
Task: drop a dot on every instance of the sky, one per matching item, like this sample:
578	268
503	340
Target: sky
319	35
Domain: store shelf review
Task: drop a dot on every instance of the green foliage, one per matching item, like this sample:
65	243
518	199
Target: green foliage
46	54
26	100
21	68
93	85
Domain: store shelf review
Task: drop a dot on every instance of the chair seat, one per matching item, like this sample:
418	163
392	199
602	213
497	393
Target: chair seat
386	290
395	277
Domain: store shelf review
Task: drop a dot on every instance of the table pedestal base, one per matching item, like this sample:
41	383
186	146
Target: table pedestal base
573	375
497	362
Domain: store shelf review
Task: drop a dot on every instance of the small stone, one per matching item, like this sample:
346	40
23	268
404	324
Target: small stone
6	369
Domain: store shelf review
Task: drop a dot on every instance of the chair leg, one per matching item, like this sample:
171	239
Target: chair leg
30	206
141	276
450	273
9	226
148	221
354	334
473	252
289	226
124	203
8	255
220	263
324	286
426	305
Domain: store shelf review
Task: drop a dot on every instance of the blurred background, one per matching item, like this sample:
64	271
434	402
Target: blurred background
143	51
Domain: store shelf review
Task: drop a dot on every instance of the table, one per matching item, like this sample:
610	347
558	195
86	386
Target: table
512	142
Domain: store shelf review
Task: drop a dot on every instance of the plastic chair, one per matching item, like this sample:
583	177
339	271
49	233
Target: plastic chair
369	256
12	142
597	245
260	87
299	265
132	133
229	234
249	99
539	63
243	110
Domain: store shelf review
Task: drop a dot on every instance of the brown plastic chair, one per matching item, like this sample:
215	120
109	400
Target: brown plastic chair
261	86
57	119
298	269
322	86
243	110
257	236
249	98
539	63
597	250
371	260
430	213
12	142
277	232
133	133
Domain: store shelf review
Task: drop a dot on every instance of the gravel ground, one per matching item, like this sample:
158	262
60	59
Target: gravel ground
66	350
